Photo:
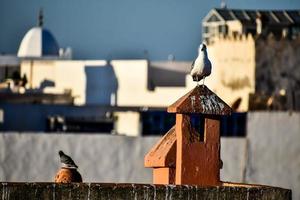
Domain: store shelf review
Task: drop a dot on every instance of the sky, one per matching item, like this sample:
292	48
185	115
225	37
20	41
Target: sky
119	29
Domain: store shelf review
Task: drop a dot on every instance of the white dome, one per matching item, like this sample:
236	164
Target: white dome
38	42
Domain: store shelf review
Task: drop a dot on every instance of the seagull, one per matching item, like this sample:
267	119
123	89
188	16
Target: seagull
201	67
66	161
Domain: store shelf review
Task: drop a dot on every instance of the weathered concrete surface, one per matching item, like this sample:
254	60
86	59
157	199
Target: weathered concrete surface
233	154
272	155
91	191
33	157
274	150
101	158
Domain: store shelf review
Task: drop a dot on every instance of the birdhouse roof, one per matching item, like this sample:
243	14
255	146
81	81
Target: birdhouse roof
200	100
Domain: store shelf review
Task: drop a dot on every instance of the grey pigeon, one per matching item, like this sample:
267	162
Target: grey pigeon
201	67
67	161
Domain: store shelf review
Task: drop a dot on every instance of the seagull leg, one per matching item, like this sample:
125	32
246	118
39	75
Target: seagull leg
197	80
203	79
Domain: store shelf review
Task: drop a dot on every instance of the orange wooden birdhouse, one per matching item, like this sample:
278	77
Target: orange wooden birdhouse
182	156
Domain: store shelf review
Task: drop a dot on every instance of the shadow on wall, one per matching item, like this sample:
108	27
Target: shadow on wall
101	85
160	77
46	83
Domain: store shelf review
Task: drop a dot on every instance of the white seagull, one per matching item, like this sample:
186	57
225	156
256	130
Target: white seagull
201	67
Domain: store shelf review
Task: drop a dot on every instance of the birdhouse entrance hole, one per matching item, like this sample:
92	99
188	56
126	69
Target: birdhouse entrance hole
197	123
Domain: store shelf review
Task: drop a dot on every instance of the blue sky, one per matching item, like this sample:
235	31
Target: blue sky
119	29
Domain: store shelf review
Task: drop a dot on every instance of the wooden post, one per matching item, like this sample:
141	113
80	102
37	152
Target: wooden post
164	175
197	163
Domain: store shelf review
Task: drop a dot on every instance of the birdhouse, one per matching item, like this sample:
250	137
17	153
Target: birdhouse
182	156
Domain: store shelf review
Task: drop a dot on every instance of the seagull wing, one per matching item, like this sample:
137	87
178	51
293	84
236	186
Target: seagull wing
207	68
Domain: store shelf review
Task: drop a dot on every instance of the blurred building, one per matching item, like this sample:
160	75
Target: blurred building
8	65
224	21
129	96
61	94
126	88
255	55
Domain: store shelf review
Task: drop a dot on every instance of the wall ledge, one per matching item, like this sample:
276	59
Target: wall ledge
91	191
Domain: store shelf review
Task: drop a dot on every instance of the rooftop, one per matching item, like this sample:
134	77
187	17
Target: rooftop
284	17
38	42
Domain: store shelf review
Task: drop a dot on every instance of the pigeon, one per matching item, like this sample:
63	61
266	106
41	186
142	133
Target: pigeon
67	161
68	172
201	67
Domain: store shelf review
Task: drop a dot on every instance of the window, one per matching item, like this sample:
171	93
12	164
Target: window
213	18
223	29
205	29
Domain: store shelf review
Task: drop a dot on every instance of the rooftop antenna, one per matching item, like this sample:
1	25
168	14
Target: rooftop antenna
223	4
41	18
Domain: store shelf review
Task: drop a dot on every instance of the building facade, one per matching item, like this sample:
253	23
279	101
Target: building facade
256	22
254	55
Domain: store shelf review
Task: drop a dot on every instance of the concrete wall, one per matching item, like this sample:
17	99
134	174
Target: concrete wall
269	155
274	150
101	158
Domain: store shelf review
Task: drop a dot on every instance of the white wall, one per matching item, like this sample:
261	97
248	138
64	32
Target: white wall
128	123
37	72
94	82
67	75
132	78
